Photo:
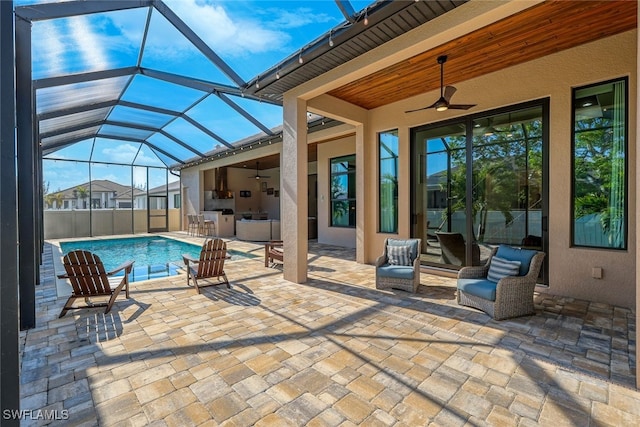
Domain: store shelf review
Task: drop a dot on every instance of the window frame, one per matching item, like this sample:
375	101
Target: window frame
349	200
380	182
625	236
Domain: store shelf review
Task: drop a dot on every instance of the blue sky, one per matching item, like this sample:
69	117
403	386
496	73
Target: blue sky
254	35
250	36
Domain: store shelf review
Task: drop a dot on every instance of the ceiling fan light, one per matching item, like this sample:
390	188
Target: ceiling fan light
441	104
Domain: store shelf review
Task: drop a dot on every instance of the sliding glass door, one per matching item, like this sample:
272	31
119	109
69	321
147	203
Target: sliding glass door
477	182
437	194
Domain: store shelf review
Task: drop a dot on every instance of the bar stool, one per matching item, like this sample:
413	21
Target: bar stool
200	224
192	224
210	227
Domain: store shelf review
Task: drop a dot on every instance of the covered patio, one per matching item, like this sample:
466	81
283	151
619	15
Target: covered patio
315	343
334	351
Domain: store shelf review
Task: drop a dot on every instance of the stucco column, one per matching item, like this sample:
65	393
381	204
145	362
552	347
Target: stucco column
365	176
637	188
293	190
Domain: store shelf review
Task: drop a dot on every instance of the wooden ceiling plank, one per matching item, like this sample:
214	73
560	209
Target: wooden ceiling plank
541	30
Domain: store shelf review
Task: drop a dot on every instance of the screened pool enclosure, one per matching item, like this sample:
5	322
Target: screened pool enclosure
125	94
106	199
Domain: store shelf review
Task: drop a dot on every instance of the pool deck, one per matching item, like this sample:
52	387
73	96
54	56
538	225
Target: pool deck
332	352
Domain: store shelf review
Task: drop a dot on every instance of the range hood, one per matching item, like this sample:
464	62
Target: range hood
221	190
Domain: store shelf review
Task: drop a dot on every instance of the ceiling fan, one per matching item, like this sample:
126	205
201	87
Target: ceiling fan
257	175
446	92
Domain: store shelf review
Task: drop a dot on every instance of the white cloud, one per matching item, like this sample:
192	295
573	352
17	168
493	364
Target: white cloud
140	177
297	18
123	153
91	46
50	49
226	35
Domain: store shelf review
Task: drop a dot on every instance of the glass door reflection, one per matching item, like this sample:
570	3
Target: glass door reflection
477	182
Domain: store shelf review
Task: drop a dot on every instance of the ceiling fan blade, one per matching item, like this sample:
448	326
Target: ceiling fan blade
461	106
423	108
448	92
417	109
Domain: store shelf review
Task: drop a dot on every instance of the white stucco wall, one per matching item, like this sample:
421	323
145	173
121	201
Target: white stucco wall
339	236
553	77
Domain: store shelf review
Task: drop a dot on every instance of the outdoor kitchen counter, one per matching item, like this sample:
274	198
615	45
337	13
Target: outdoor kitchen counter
258	230
224	223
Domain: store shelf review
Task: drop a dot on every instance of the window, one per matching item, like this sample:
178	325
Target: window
388	184
599	214
343	191
176	201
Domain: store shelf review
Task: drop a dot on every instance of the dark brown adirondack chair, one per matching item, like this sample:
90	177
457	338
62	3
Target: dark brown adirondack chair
210	265
273	253
89	280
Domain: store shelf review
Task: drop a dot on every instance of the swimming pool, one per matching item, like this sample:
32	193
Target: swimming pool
154	256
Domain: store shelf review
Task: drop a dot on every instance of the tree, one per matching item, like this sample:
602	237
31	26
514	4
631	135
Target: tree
48	200
505	165
595	174
58	198
83	193
340	208
45	194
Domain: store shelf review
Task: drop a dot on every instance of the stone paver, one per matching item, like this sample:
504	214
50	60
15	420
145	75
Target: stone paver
333	351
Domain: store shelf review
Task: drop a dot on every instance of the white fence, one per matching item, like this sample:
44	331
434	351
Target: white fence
64	223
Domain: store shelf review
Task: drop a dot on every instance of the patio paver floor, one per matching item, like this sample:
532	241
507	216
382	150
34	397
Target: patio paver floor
333	351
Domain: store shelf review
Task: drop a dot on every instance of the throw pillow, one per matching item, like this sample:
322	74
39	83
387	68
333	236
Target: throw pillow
501	267
516	254
398	255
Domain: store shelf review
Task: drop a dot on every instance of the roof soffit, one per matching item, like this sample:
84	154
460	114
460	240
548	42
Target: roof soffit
387	21
543	29
457	22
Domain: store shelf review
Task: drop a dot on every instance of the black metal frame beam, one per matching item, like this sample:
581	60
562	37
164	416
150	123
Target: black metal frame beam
190	82
244	113
9	315
206	130
108	104
88	107
201	85
180	142
347	10
51	148
74	110
81	126
84	77
39	12
142	141
49	11
197	42
28	267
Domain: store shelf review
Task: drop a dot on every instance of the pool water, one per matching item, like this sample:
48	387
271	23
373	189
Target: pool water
154	256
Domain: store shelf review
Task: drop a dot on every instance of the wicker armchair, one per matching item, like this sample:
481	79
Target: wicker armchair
398	276
511	296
